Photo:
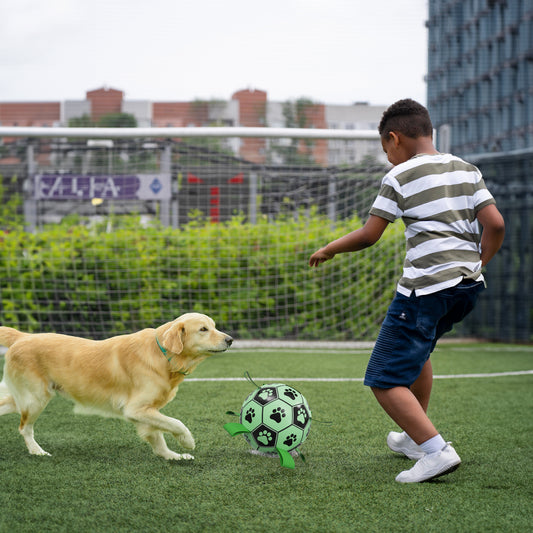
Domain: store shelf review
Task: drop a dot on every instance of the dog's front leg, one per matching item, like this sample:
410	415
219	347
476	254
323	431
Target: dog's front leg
156	440
153	418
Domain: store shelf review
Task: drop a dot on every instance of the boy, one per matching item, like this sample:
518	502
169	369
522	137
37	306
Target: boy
441	200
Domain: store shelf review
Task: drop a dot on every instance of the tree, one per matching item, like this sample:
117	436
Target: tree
81	122
117	120
297	115
110	120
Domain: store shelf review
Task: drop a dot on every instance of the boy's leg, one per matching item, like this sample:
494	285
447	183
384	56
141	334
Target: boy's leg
408	333
407	411
421	388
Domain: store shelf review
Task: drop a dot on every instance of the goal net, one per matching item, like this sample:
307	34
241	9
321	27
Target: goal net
106	236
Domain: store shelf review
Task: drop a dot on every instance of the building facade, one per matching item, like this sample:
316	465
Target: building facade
480	96
480	74
248	107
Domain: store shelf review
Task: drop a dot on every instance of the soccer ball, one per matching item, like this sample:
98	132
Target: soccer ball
276	416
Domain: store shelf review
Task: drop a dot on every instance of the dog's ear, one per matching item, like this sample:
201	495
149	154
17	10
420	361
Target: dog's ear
172	337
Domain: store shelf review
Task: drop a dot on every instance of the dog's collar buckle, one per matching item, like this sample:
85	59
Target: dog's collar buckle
164	352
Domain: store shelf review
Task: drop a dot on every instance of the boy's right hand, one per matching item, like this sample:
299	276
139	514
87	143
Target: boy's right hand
320	256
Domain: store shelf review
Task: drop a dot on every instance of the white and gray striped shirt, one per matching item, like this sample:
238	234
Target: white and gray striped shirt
437	197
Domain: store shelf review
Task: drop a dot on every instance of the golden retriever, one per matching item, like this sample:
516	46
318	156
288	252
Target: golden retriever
128	376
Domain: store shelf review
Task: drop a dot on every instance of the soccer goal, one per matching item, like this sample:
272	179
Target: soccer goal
106	231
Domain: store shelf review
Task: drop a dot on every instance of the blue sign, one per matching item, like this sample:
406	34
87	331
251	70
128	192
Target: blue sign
105	186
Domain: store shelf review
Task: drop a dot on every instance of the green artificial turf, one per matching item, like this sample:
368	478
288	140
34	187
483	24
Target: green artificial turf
102	477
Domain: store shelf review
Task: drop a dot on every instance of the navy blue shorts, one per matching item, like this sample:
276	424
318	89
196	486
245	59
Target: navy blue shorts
410	331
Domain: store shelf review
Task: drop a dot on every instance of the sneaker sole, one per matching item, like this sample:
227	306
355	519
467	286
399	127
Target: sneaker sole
449	470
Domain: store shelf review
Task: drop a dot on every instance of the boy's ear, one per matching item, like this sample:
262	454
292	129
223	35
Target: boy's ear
394	137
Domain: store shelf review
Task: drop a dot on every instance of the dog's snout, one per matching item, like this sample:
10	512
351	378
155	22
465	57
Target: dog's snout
229	340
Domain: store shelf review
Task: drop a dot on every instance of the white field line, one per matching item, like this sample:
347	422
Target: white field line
333	380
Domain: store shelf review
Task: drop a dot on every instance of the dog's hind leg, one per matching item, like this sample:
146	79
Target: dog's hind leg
27	396
159	446
26	430
29	412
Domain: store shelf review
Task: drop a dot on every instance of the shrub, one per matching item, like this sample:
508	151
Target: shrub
252	278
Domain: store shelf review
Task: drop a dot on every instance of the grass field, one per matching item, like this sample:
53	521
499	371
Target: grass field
101	477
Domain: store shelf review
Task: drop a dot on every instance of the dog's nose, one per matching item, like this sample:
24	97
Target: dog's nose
228	340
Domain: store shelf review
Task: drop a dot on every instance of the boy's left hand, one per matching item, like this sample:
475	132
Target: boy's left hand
320	256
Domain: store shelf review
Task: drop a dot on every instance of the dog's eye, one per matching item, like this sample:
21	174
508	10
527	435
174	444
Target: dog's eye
203	329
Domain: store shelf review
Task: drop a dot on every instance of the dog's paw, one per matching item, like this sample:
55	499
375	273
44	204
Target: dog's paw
41	454
173	456
37	450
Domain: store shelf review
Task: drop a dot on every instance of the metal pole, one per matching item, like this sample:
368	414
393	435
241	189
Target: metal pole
252	214
30	205
165	165
332	198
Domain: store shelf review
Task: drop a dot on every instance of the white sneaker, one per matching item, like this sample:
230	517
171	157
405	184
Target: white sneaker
431	466
402	443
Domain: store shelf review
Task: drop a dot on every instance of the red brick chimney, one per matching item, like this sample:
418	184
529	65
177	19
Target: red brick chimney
104	101
252	113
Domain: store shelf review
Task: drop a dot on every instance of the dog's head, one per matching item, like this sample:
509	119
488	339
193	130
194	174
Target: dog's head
193	335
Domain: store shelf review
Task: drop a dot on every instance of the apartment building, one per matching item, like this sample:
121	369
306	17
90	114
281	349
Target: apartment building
247	107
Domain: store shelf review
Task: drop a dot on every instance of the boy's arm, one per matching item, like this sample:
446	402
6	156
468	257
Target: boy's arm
359	239
493	232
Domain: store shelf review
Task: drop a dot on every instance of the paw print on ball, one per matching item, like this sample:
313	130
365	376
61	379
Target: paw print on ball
301	416
250	414
277	414
291	393
266	395
264	437
290	440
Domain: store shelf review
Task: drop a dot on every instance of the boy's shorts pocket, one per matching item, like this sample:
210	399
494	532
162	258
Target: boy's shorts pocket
431	309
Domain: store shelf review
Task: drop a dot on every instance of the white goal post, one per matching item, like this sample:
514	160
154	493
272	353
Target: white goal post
115	133
110	230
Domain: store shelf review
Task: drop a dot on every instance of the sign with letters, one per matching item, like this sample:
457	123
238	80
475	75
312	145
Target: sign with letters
105	186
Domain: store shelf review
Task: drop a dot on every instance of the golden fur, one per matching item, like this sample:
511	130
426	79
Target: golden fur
128	376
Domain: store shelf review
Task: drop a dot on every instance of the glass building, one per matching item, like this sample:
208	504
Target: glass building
480	74
480	97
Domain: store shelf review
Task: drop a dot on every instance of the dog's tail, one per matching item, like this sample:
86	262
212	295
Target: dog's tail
9	336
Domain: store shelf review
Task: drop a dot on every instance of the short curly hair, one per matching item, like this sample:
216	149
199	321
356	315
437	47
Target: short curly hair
407	117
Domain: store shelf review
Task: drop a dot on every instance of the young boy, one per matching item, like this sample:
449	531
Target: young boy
442	200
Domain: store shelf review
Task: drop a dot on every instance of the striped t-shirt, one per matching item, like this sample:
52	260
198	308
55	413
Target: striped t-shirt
437	197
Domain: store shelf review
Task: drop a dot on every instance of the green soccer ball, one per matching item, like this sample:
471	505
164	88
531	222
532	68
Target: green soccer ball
276	417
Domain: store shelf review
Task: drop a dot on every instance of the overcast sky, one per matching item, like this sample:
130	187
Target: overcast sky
331	51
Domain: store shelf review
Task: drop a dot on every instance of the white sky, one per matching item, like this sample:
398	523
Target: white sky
331	51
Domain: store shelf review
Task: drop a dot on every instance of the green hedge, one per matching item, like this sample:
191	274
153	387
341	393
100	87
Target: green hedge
253	279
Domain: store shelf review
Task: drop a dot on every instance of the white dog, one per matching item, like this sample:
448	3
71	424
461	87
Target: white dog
128	376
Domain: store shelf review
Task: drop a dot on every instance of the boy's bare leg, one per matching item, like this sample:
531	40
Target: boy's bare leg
421	388
407	411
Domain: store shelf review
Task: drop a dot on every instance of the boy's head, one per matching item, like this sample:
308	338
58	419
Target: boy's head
405	131
407	117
